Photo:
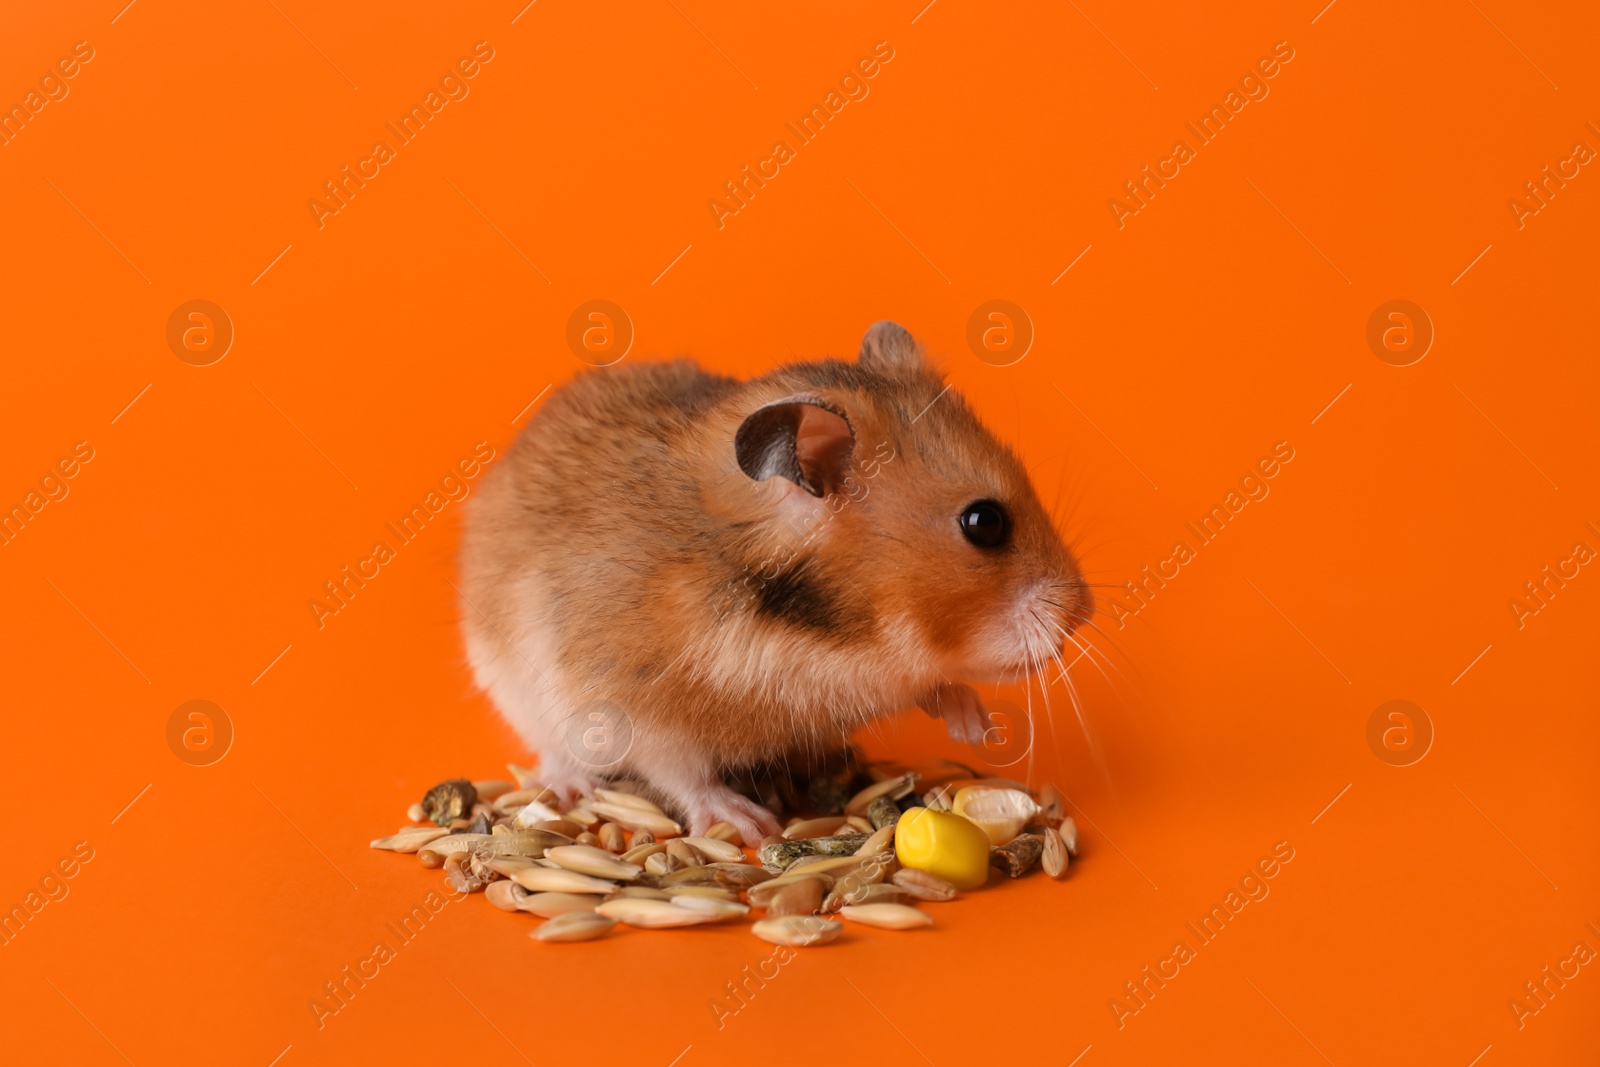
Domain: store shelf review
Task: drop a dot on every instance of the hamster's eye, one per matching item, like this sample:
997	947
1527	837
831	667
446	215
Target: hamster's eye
985	524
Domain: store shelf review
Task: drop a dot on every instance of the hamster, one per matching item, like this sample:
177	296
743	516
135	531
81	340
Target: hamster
673	574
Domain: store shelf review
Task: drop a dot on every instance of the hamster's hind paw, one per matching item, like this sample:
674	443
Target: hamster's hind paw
961	709
717	803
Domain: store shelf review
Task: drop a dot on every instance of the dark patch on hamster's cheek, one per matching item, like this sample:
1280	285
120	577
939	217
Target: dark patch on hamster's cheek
797	596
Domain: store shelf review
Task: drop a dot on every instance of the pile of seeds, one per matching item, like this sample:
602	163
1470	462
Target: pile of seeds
617	857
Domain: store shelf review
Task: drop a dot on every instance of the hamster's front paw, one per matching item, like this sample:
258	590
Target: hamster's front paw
567	779
962	711
714	803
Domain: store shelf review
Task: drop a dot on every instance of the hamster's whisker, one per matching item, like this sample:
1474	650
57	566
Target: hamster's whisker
1083	723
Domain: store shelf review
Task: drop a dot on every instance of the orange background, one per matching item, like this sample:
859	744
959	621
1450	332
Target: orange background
1175	352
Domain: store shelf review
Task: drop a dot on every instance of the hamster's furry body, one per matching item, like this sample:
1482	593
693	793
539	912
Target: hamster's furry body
673	574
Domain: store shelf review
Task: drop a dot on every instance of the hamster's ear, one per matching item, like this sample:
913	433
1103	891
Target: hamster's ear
889	350
799	440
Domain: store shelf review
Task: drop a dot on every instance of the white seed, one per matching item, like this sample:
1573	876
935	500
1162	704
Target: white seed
725	831
414	813
637	819
515	801
739	874
1054	857
612	838
887	916
586	859
506	866
797	930
535	811
894	788
583	817
662	863
761	895
848	889
643	892
549	905
1052	804
490	789
640	853
652	914
410	838
573	926
684	854
882	840
716	850
922	885
520	843
834	865
627	800
716	891
715	906
523	776
814	827
557	880
1069	836
507	896
882	893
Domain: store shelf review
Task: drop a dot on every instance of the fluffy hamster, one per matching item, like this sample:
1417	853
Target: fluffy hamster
674	574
